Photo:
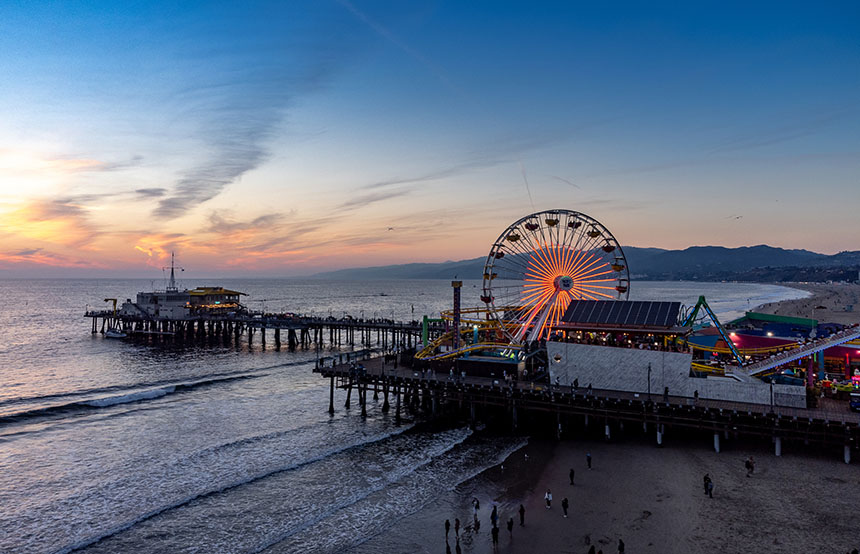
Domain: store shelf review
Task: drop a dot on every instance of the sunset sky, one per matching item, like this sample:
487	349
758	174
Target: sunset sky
286	138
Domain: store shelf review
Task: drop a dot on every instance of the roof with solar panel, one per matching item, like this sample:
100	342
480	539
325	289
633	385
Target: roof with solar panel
621	315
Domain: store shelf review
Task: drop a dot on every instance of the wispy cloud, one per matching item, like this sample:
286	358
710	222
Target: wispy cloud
236	113
492	154
776	135
385	33
41	257
63	221
151	192
364	200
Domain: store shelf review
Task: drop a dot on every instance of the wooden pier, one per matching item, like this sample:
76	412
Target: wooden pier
558	408
297	332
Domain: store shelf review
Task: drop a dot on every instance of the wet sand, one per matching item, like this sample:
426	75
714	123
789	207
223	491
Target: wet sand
836	299
650	497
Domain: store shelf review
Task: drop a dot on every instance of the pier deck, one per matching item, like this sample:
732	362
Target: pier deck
831	424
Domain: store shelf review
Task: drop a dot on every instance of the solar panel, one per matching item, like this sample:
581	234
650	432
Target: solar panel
622	313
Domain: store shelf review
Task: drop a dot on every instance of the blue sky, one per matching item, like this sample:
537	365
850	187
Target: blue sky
286	138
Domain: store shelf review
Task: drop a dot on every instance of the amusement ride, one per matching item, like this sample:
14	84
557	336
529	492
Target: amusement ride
536	266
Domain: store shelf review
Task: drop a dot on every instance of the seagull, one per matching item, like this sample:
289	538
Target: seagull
391	228
734	217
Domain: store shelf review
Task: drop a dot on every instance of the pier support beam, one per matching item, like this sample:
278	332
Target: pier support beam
348	394
847	454
717	442
659	434
777	446
608	436
331	396
385	405
397	408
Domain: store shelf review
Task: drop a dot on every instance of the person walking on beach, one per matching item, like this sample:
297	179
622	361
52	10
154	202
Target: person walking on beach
750	466
620	546
706	479
710	488
588	460
548	498
457	527
591	550
447	528
571	474
564	505
495	538
511	527
494	517
522	515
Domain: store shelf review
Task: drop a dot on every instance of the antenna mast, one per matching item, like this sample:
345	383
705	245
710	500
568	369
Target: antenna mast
171	284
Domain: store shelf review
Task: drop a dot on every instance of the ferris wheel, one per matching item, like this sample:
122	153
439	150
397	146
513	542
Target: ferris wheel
542	262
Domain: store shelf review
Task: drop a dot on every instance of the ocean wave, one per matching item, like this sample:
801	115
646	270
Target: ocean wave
145	384
83	406
391	478
130	397
427	477
191	498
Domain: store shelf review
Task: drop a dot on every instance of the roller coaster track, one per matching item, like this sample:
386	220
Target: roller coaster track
468	322
788	356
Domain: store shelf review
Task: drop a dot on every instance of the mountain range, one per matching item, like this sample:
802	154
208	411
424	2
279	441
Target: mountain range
760	263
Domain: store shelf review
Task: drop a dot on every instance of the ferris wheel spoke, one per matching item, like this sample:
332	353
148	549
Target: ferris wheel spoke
555	256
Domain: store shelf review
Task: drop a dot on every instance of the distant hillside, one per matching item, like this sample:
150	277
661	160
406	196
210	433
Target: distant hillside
697	263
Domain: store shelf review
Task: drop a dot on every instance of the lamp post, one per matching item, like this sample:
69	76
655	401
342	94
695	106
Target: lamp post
649	382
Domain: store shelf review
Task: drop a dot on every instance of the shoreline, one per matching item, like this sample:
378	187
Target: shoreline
652	498
828	303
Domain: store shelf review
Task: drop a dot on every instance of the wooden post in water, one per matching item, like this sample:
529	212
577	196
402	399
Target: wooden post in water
397	409
348	393
385	405
331	396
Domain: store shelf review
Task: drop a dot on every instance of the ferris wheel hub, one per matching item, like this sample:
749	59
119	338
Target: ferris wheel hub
563	282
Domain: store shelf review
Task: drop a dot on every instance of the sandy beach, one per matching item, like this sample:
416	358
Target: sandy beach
653	497
650	497
835	298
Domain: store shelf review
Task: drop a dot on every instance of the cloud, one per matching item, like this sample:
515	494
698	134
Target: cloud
151	192
777	135
238	110
63	221
493	154
385	33
372	198
41	257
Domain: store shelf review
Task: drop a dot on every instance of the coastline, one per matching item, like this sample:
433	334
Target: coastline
834	297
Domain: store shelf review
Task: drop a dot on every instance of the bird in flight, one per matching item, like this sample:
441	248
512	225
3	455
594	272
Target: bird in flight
734	217
391	228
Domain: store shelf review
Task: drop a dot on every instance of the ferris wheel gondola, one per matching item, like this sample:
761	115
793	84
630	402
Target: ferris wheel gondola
542	262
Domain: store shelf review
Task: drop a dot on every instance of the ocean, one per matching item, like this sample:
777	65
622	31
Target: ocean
112	446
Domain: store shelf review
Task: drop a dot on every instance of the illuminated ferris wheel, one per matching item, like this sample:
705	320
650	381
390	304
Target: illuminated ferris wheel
542	262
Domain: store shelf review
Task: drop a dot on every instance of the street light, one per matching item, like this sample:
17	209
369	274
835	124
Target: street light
649	382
